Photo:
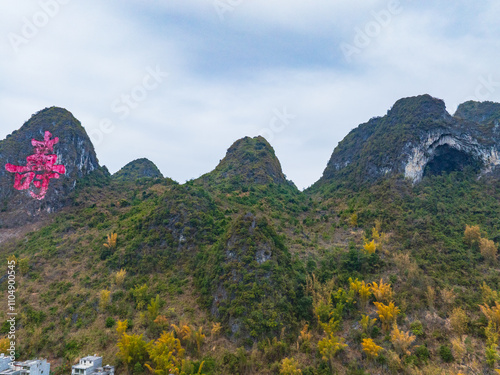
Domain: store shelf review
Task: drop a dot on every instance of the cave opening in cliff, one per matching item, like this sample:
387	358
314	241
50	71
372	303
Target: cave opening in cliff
448	159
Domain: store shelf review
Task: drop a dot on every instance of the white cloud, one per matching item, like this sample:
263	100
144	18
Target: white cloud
226	78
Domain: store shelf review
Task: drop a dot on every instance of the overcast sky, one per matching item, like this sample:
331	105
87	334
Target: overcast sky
178	81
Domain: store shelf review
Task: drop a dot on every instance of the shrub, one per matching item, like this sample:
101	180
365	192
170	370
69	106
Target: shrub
422	353
445	354
110	322
417	329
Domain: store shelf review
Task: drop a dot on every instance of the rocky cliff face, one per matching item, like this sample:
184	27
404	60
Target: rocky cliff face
139	168
42	168
418	137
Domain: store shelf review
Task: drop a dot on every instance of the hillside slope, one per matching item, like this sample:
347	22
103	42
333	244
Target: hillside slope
238	272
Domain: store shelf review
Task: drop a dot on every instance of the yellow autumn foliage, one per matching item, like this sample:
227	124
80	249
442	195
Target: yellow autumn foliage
111	241
166	355
382	292
387	314
370	247
120	277
4	345
472	234
488	250
362	289
401	340
370	348
290	366
367	323
492	313
104	298
121	327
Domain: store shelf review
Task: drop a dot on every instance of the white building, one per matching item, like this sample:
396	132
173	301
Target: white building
4	362
87	365
91	365
31	367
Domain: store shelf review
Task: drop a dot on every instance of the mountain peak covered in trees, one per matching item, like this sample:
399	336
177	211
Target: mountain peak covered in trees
138	168
249	161
417	137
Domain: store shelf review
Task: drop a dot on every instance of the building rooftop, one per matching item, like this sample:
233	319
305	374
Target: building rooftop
90	358
9	371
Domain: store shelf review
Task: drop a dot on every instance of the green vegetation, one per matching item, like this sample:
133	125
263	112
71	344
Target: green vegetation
238	272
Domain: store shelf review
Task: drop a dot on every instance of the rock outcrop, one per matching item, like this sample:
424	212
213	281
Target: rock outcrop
57	159
418	137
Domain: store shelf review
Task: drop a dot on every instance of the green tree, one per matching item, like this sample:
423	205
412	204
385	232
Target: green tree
154	308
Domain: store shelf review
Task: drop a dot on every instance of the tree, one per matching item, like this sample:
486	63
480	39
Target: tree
401	340
362	289
472	235
132	349
387	314
382	292
120	277
370	247
183	332
330	346
448	297
154	308
198	337
214	332
4	345
161	321
104	298
111	241
367	323
492	334
370	348
353	220
289	366
488	250
322	297
492	313
489	295
491	355
431	296
24	265
458	321
458	348
305	336
140	293
138	369
166	355
121	327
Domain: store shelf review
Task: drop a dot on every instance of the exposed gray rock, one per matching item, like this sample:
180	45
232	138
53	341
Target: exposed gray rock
418	136
74	151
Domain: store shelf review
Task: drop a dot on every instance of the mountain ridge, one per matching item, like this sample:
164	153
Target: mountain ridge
241	273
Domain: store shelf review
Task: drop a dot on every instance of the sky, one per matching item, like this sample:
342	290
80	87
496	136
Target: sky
178	81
